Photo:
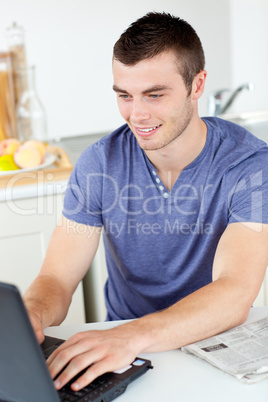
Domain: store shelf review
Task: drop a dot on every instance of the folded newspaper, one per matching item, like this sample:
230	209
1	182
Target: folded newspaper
241	351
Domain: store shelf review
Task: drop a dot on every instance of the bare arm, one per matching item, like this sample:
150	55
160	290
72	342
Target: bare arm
238	271
70	252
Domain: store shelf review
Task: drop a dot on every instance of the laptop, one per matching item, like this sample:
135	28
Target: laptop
24	376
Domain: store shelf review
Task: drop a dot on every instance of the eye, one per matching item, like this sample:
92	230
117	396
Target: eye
155	96
124	97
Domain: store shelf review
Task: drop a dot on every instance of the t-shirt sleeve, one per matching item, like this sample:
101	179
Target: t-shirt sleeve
83	197
248	189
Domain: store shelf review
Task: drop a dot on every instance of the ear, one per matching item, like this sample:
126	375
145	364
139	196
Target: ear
198	85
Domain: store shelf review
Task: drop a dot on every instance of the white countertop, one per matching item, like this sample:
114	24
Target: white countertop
32	190
181	377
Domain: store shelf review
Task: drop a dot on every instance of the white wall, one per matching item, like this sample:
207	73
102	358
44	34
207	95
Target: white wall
249	30
70	42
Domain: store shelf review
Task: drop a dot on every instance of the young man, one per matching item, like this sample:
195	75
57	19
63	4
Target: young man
183	206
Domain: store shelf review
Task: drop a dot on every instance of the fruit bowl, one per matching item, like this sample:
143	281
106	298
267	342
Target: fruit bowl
49	159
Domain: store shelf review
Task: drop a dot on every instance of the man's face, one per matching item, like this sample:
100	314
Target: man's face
153	100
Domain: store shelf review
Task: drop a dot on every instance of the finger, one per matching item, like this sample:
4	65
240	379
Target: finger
65	356
74	356
74	340
107	364
75	366
93	372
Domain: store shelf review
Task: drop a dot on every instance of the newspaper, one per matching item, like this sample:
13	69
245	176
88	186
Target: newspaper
241	351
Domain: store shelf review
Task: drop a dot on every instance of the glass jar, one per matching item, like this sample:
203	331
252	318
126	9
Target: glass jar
7	101
16	43
31	117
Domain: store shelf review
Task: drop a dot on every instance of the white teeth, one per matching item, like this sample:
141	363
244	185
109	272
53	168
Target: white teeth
147	130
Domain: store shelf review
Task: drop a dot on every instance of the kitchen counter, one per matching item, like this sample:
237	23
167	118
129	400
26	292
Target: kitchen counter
40	189
255	122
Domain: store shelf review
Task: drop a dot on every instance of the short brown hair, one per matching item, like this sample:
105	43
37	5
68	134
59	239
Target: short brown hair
155	33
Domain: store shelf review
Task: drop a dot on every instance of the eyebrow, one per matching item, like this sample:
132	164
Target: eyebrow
155	88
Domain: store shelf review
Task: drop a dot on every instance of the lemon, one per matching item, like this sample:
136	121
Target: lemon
7	163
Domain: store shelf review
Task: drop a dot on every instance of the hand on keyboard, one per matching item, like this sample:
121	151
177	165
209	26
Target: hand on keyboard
96	351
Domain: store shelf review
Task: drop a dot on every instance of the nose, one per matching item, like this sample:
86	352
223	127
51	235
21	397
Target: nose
139	111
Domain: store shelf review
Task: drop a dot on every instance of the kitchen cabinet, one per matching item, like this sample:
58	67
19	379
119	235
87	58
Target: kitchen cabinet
28	216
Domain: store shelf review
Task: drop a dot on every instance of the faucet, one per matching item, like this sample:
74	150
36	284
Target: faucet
215	106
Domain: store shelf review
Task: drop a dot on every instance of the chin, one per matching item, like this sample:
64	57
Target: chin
150	146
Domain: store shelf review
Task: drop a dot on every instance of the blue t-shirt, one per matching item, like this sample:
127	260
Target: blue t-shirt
160	244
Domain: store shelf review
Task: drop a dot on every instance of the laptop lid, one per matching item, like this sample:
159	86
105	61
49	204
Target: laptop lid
24	376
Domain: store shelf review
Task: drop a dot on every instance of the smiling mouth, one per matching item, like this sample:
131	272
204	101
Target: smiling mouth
145	132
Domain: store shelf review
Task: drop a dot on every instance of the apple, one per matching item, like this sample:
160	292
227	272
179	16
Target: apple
36	144
27	157
9	146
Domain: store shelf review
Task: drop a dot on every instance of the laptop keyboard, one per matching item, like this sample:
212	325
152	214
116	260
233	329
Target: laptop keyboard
95	391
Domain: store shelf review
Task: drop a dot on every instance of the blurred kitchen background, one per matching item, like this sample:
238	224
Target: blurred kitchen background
70	43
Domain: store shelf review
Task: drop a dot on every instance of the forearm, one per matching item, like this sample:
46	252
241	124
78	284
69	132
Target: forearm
47	299
206	312
67	260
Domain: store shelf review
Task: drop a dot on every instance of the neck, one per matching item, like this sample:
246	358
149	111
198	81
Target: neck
170	160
